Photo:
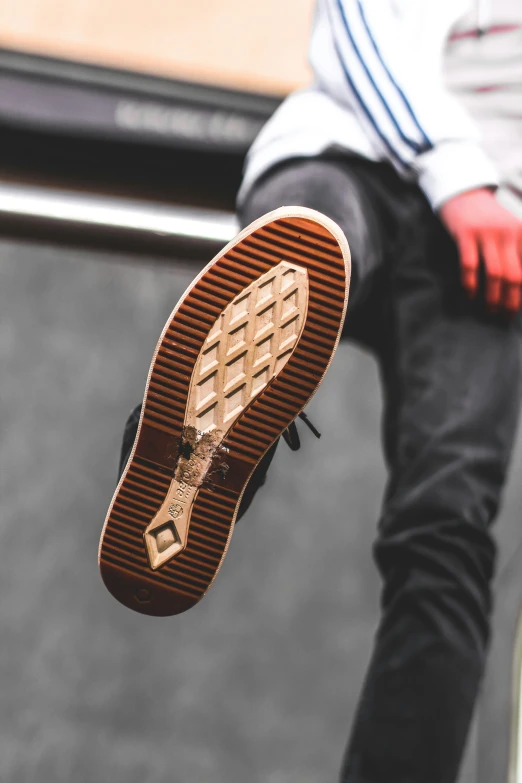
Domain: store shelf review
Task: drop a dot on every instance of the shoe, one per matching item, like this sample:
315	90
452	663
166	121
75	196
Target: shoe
240	356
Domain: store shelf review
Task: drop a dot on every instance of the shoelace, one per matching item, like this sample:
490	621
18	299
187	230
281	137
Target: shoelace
291	435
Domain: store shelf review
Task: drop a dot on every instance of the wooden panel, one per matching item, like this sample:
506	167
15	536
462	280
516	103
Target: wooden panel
258	47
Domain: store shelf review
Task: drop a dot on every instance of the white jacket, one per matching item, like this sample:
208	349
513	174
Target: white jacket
379	91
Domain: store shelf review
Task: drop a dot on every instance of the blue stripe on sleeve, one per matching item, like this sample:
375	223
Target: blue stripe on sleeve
427	142
412	143
393	152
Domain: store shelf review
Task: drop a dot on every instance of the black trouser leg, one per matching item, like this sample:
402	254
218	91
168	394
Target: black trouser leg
452	386
451	381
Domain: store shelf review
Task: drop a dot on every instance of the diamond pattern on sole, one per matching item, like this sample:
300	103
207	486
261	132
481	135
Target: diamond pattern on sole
250	343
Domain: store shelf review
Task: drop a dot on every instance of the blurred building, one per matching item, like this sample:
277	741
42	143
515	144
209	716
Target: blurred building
156	101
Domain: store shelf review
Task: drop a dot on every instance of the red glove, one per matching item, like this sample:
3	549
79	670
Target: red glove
485	231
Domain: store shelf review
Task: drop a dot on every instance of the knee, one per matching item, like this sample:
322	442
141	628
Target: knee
324	185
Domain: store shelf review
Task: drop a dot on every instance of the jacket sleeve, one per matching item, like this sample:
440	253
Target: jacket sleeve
387	68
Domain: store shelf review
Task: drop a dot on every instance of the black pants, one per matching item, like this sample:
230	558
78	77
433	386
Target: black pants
451	383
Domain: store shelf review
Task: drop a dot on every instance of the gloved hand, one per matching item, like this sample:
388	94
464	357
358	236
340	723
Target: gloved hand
487	233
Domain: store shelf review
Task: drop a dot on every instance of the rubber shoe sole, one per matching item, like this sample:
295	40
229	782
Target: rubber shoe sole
241	355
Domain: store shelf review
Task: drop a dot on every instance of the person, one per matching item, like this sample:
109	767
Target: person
414	173
408	140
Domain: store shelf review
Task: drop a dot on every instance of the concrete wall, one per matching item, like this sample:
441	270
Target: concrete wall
259	682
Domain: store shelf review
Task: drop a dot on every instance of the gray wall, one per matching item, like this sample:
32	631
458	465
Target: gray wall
258	682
